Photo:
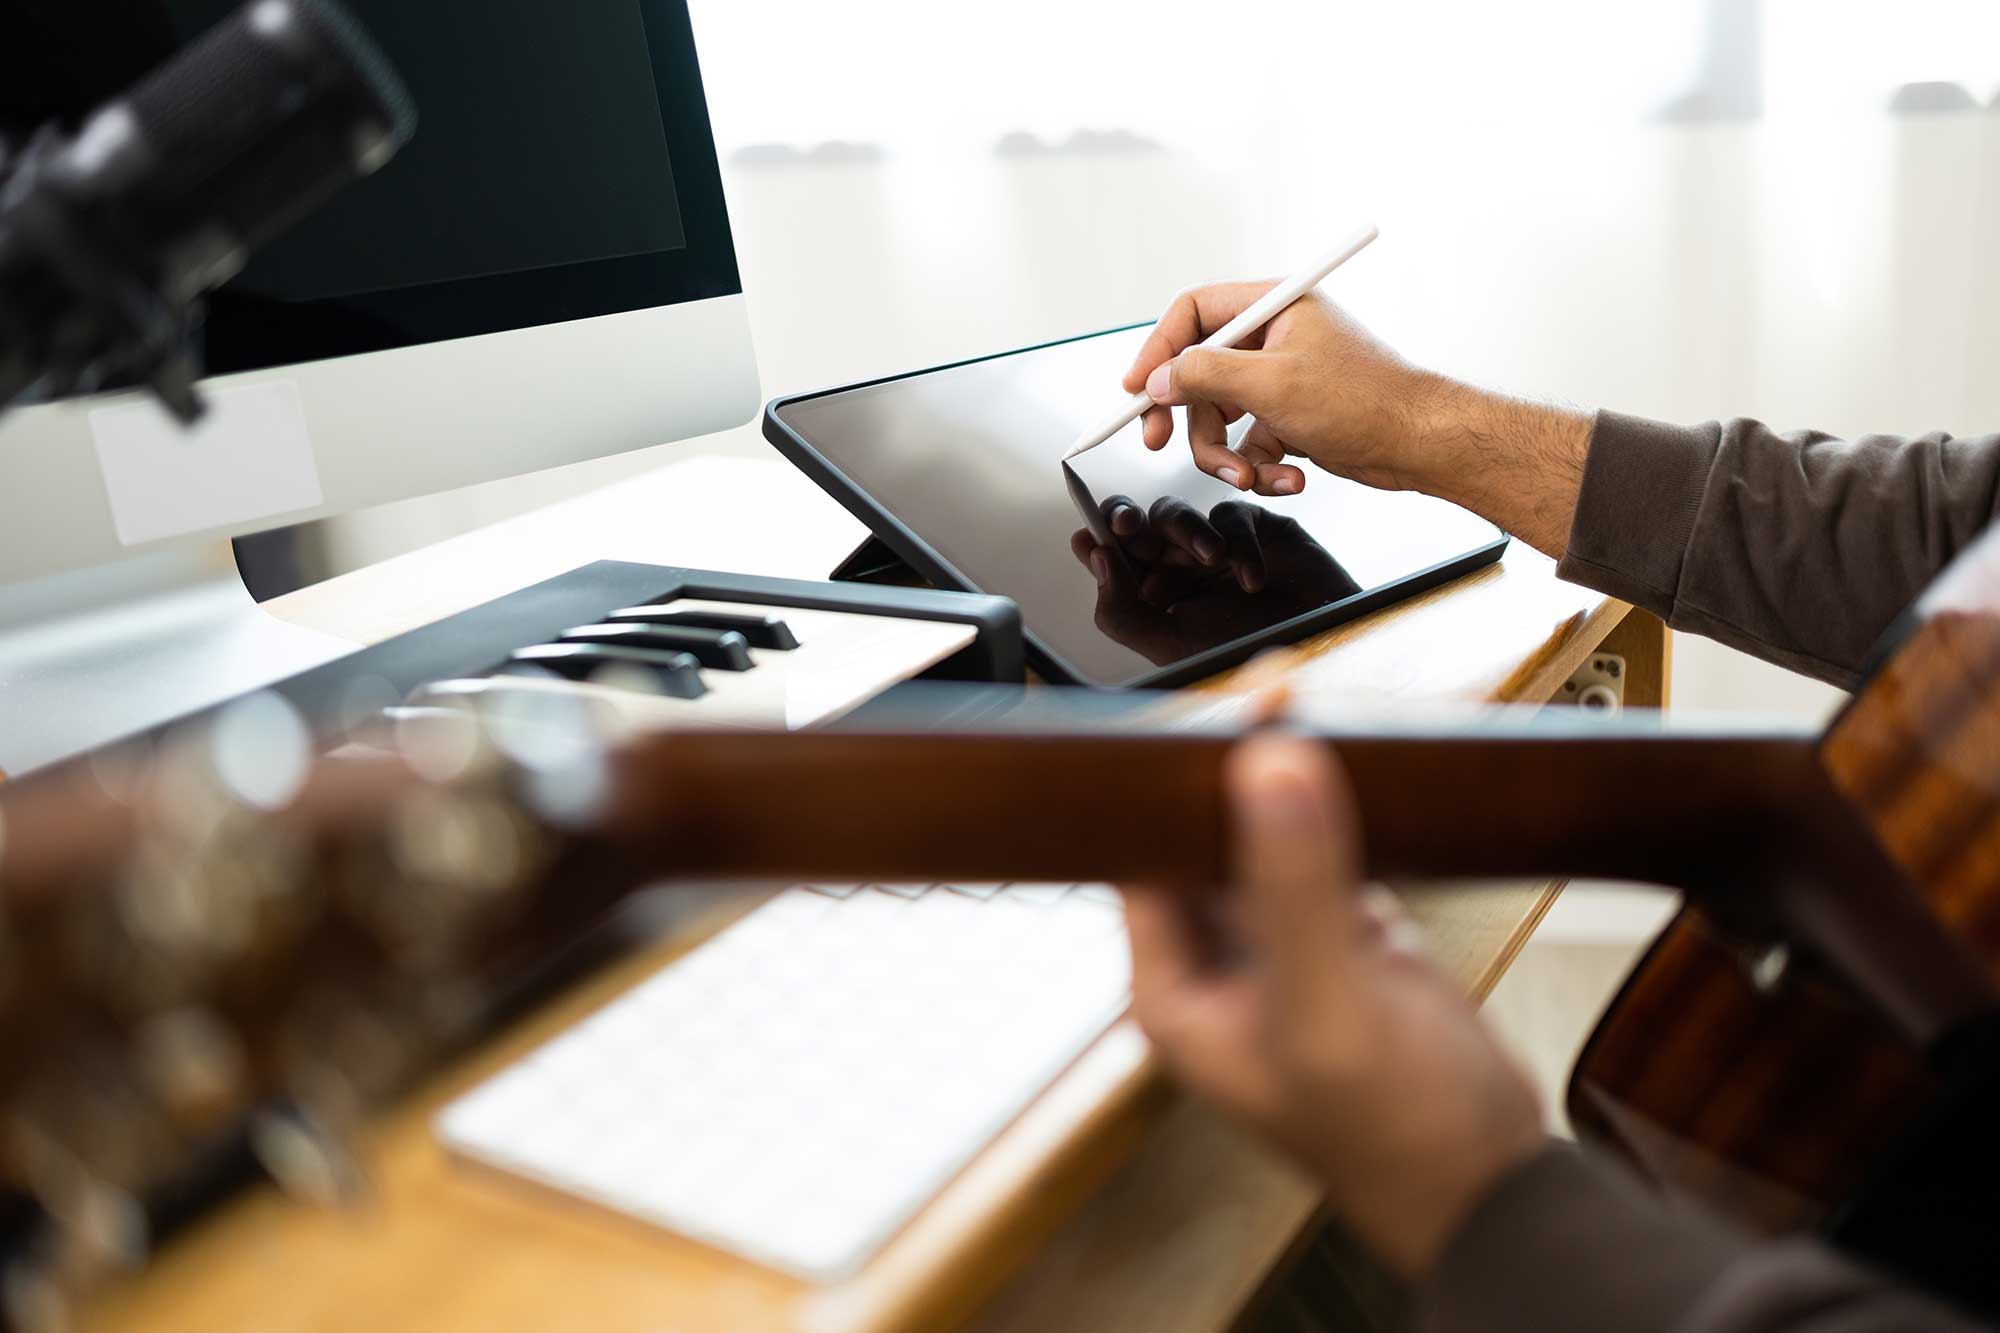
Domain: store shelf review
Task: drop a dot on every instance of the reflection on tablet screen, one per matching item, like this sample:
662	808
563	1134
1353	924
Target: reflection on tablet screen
1124	562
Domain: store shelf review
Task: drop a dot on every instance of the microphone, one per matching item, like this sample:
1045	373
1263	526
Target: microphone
109	239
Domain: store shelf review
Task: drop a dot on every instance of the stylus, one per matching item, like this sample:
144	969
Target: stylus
1236	330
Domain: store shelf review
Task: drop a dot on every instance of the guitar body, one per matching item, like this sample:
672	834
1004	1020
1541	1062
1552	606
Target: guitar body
1768	1106
1781	1099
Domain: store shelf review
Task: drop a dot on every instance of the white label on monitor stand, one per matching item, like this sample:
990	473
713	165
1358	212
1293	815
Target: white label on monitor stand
249	458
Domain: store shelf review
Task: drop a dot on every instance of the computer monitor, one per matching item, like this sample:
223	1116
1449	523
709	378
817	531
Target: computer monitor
545	275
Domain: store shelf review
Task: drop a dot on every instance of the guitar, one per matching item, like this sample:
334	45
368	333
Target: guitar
210	930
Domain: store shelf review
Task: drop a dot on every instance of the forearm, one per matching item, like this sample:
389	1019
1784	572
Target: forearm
1516	462
1562	1245
1802	549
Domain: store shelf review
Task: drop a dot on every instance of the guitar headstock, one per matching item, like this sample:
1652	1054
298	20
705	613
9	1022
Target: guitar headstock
215	930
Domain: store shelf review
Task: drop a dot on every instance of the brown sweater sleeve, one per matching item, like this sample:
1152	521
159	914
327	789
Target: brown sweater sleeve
1564	1246
1799	548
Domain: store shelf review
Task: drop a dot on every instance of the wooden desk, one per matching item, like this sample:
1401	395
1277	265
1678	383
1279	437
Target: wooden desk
1110	1204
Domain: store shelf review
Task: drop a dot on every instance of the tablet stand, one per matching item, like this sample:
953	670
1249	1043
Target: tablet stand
873	562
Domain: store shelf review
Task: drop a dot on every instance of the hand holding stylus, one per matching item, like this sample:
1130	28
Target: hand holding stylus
1326	391
1321	387
1243	326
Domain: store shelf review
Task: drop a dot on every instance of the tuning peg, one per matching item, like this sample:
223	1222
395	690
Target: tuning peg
529	721
454	863
308	1159
194	1065
441	738
183	800
1769	967
33	1300
556	737
100	1229
79	1118
182	910
124	771
91	1231
465	840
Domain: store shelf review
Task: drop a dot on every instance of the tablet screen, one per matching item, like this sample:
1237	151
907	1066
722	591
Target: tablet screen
968	459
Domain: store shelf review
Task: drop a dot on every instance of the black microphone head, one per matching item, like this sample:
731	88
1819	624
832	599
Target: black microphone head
109	239
253	73
245	132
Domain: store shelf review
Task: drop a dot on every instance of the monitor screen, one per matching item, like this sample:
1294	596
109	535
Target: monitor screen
966	461
560	170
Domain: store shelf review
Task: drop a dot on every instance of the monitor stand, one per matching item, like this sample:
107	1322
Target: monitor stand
91	656
874	562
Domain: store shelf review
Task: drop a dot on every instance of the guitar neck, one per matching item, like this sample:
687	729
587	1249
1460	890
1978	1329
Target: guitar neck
1125	805
1620	803
1749	826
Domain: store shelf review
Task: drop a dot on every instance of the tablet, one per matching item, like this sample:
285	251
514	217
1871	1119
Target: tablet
959	471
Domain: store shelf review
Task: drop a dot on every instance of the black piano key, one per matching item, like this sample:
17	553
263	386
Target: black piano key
678	675
762	631
716	649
